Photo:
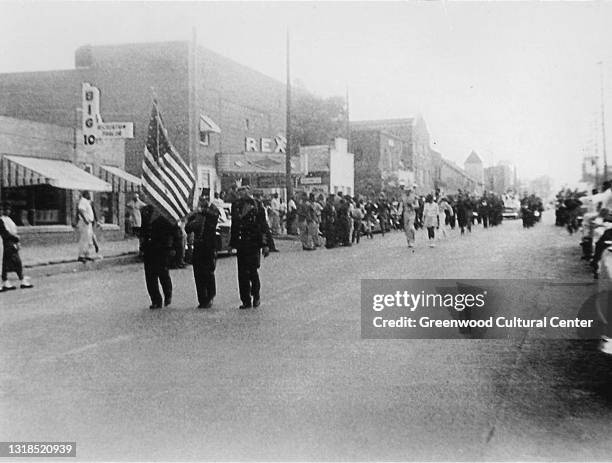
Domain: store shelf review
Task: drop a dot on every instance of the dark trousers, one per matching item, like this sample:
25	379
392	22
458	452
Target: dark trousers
157	272
431	234
204	263
356	231
11	262
248	277
485	220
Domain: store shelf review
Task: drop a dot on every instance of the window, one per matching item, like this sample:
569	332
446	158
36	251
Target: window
204	138
107	214
37	205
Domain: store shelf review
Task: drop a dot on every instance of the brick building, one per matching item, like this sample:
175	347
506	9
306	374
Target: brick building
501	178
210	104
454	178
415	153
381	161
474	167
43	171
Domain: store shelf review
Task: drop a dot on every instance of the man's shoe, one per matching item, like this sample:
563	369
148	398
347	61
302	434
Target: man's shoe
256	302
7	286
207	305
168	301
155	306
245	306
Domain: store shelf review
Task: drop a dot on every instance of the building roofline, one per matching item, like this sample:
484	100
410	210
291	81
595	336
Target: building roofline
411	120
178	42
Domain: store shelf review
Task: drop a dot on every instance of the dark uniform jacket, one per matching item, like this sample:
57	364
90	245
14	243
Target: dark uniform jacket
203	225
160	240
250	231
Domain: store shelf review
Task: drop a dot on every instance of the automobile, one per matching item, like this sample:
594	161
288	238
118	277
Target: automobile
224	226
511	213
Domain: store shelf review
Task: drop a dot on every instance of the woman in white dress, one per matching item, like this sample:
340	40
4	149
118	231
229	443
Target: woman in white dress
431	211
85	216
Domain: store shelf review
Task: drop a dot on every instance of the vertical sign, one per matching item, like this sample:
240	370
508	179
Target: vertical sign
91	113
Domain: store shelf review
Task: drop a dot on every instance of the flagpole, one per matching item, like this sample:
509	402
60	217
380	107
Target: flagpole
193	106
288	181
603	122
348	123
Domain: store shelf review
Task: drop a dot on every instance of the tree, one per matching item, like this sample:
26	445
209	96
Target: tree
315	120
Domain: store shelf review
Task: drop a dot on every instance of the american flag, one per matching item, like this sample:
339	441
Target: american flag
166	179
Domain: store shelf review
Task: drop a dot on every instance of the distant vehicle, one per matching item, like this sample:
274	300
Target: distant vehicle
512	208
511	213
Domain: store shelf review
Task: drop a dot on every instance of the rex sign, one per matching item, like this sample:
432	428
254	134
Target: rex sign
277	144
93	126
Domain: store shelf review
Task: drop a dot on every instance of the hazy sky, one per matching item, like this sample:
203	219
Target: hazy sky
513	81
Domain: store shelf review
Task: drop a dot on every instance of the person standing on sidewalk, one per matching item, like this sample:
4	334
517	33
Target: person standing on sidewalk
328	222
85	220
11	261
134	207
203	225
250	236
358	215
291	217
306	222
160	239
275	215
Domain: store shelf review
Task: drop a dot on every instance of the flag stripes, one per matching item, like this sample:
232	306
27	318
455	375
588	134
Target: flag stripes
166	179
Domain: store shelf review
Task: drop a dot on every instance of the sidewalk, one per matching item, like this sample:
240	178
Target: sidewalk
62	258
35	256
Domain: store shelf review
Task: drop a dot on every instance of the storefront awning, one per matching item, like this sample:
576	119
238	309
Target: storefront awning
24	171
208	125
120	179
254	163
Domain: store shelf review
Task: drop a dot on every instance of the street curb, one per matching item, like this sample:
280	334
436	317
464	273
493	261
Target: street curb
73	266
285	238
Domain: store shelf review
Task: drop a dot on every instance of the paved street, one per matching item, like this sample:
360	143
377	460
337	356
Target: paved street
83	359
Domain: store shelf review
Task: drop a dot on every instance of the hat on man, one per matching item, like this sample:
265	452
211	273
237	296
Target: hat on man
205	193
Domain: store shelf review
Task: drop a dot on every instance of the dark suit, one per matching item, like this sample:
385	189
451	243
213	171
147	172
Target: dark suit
160	239
204	227
249	234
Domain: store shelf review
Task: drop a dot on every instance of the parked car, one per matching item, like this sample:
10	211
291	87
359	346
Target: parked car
511	213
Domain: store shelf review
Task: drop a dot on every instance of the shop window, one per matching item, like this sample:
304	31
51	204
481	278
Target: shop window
37	205
108	209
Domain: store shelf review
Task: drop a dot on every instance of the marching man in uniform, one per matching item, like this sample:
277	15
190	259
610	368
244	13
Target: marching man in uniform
160	239
250	236
203	225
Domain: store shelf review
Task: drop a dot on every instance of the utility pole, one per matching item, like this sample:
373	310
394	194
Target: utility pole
603	122
288	180
348	123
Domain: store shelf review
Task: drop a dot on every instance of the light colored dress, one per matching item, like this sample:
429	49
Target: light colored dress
85	227
430	215
409	206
